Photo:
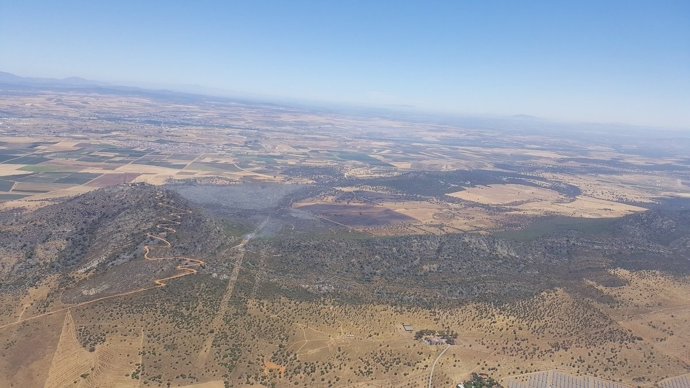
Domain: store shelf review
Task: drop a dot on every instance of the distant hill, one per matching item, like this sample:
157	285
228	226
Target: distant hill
8	79
13	83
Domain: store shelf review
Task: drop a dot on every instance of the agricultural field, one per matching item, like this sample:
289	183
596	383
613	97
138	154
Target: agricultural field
183	241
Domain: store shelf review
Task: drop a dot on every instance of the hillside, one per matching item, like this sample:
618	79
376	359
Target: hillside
133	284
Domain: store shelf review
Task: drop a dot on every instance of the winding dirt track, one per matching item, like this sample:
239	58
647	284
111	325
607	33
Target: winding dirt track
188	267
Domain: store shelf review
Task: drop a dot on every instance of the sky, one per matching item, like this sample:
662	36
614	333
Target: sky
586	61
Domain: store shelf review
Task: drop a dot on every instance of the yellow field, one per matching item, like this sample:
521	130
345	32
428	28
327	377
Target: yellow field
537	201
507	194
582	206
110	365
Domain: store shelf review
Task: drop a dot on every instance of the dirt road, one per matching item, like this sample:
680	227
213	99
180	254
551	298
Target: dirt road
431	374
229	289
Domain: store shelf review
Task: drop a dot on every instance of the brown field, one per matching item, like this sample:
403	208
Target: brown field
27	351
356	215
421	217
446	217
30	187
43	199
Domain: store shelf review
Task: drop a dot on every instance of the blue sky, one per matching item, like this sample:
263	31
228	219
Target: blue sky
605	61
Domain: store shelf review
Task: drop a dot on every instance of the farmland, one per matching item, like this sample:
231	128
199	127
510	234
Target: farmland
192	241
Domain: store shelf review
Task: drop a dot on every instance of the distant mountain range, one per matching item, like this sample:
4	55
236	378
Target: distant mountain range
7	79
16	84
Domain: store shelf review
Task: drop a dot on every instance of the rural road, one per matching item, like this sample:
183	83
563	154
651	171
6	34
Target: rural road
431	374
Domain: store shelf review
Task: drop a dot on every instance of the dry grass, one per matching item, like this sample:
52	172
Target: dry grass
582	207
640	188
322	332
109	366
507	194
70	359
445	217
655	308
536	201
8	169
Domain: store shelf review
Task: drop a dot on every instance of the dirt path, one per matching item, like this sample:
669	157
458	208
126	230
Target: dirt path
225	300
19	318
187	267
141	357
431	374
77	305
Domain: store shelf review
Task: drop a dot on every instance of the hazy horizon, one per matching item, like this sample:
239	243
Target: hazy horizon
618	62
